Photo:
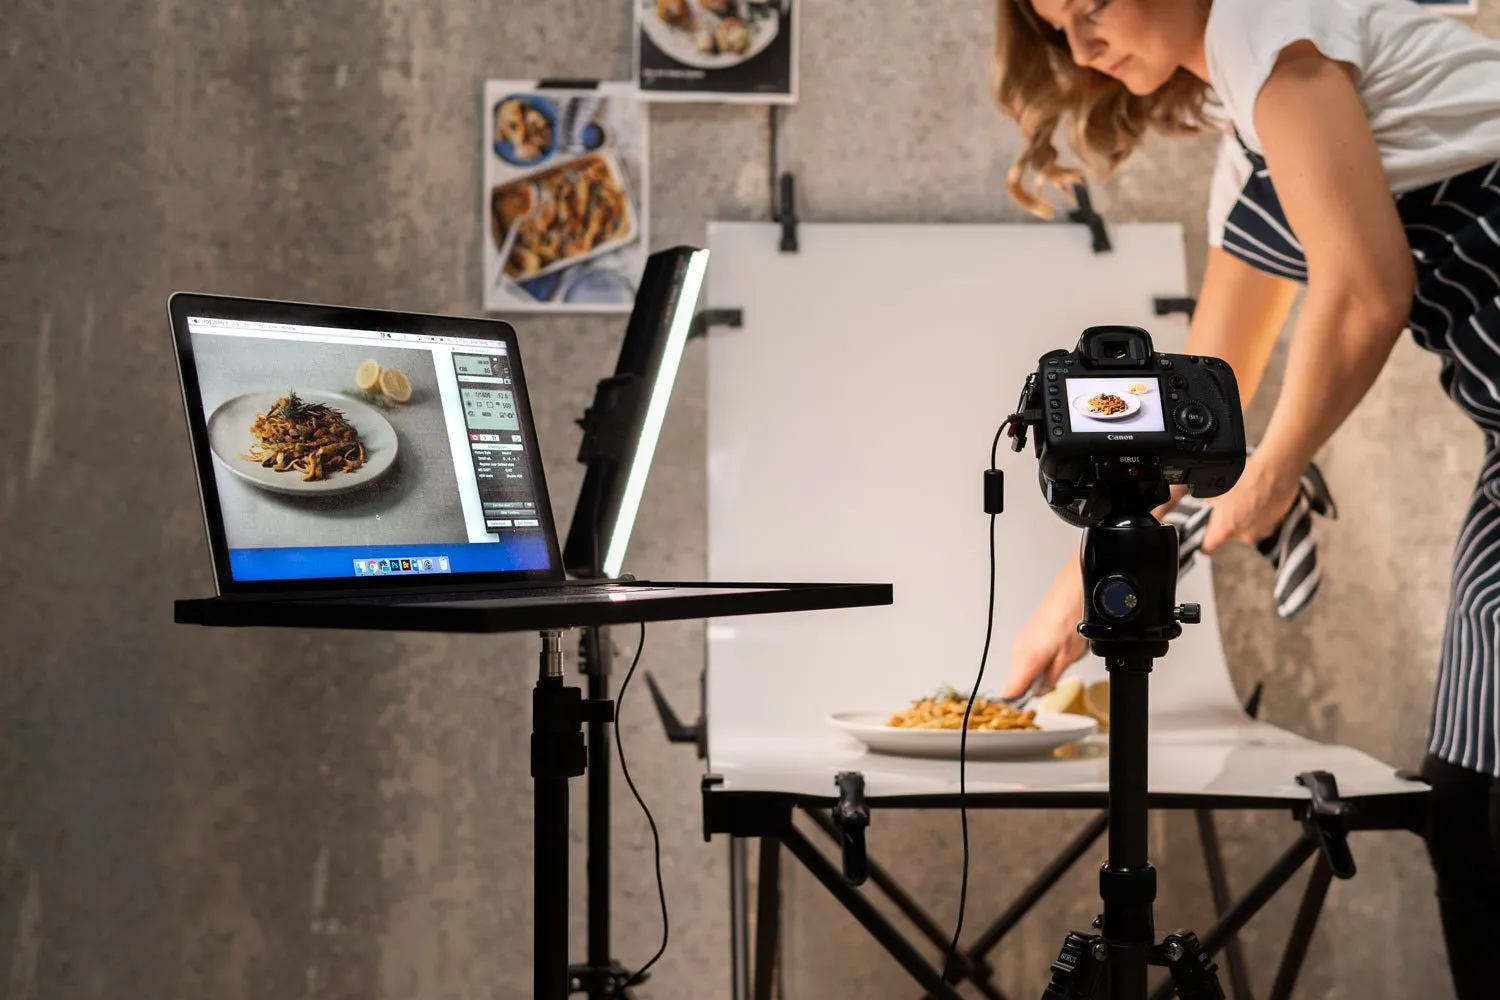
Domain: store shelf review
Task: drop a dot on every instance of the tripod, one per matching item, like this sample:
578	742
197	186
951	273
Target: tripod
1129	565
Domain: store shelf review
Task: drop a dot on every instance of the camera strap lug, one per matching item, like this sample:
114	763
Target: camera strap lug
852	817
1027	413
1326	818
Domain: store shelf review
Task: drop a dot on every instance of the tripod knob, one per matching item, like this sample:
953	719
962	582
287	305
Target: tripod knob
1189	614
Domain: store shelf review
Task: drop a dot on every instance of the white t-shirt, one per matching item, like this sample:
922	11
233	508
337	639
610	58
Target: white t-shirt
1430	84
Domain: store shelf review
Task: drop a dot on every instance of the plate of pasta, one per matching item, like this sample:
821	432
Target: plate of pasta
302	442
933	727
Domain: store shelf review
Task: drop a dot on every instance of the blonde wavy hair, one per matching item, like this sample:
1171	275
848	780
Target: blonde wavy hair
1037	83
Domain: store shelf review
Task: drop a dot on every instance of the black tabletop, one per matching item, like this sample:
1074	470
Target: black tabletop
654	602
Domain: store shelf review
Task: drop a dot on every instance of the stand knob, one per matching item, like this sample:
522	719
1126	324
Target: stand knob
1189	614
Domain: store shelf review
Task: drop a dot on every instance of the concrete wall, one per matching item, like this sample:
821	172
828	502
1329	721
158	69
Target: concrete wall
189	813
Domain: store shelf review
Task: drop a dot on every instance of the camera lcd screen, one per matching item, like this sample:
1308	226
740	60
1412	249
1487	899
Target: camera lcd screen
1112	405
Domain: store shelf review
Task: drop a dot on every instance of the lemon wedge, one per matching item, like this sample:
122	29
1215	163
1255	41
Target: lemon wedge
1066	698
367	374
395	385
1096	703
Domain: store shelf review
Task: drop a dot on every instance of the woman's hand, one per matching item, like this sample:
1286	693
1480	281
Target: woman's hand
1256	504
1049	643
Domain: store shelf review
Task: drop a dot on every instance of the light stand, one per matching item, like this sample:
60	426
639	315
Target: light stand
1129	565
620	433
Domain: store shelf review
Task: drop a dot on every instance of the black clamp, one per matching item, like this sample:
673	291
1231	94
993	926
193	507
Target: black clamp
604	435
1085	214
786	214
1165	305
715	317
1326	818
852	817
677	730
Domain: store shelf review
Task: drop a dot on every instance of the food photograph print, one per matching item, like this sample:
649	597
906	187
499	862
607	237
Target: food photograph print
565	199
736	51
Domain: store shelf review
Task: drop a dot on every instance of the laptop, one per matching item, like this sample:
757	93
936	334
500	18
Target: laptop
347	454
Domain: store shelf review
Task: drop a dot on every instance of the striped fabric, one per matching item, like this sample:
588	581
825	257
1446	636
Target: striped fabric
1453	229
1290	549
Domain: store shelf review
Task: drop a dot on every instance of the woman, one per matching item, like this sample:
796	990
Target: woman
1361	157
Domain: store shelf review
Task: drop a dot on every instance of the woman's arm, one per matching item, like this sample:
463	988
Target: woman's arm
1334	191
1240	314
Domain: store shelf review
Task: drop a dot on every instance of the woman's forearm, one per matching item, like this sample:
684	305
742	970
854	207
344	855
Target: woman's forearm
1338	348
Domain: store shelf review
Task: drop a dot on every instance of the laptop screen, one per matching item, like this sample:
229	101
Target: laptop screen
388	451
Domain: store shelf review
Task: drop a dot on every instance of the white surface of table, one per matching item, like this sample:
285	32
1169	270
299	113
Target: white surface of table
849	424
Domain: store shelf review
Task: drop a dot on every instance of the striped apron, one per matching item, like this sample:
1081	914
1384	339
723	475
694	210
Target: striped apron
1453	229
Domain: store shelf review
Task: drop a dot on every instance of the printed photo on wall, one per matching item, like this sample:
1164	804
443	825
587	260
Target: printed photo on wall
565	200
717	50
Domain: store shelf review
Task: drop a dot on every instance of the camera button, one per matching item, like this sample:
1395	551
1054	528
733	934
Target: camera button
1056	404
1165	362
1057	418
1057	432
1052	390
1174	396
1177	382
1052	376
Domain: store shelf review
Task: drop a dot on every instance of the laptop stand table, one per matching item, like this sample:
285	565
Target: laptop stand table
558	750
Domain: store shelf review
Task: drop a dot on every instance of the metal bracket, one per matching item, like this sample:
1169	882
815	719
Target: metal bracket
708	318
1193	970
852	817
1326	819
678	731
1085	214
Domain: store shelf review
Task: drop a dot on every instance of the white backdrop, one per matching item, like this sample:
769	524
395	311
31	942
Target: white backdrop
850	423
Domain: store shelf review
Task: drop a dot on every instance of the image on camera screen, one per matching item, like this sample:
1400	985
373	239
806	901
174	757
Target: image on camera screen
1113	405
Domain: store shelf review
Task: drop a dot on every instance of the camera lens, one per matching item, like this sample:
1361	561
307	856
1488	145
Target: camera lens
1116	598
1194	418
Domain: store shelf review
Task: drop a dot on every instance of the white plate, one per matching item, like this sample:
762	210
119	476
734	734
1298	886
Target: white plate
679	45
1057	730
229	437
1132	406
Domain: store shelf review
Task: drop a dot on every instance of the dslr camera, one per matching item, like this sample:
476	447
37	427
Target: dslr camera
1116	424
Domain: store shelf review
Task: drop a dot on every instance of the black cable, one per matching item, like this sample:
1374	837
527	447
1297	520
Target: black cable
661	890
775	204
963	737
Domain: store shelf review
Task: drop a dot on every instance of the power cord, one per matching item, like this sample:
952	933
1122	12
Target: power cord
993	507
661	891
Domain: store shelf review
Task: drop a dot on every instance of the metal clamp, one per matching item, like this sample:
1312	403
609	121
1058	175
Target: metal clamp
1326	818
1087	215
852	817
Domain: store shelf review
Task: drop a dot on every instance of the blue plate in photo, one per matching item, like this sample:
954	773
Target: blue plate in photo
599	286
503	147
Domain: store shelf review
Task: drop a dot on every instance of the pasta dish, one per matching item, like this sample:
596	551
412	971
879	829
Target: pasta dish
1106	403
945	710
310	438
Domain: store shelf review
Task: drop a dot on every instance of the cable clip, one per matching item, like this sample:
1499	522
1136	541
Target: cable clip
852	817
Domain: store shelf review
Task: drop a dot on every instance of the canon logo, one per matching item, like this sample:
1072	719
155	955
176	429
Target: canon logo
1122	437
